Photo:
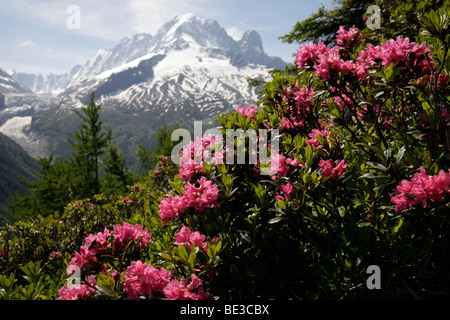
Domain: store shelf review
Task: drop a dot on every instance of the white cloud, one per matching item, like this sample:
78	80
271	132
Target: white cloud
235	32
111	20
148	16
26	44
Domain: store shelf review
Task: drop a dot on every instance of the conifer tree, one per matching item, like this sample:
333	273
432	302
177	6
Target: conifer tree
89	144
47	194
117	176
163	147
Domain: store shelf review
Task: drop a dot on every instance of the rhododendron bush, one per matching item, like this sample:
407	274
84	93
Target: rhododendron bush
358	175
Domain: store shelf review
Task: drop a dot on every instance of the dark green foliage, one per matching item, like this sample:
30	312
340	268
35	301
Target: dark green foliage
163	147
117	175
323	25
96	165
316	241
398	18
88	144
48	193
16	167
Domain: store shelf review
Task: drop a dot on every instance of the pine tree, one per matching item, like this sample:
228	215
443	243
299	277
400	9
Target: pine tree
89	144
117	176
163	147
47	194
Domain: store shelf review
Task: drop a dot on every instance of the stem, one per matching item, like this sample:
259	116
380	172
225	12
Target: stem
401	131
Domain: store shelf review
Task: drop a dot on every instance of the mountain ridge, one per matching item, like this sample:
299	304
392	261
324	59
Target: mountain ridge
190	70
138	45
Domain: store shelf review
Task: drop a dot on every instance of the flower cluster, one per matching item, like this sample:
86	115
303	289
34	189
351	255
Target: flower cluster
193	239
126	233
279	165
247	112
207	148
330	171
401	50
325	60
199	196
184	289
171	208
300	108
202	196
287	189
348	38
143	280
106	242
79	292
307	55
313	141
420	189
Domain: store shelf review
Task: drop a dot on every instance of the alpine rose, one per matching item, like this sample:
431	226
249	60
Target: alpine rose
421	189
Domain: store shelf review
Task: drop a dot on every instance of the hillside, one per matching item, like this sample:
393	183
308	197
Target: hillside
15	164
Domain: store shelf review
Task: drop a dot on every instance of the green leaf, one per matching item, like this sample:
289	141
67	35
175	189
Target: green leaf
371	175
277	220
192	258
398	226
183	252
400	155
377	165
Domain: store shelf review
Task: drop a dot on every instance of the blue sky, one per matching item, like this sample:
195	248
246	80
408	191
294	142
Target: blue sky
34	36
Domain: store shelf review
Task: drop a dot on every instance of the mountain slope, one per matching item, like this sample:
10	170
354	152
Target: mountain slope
15	165
190	70
9	85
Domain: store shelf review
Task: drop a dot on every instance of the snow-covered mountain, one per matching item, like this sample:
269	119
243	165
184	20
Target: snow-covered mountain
8	85
191	69
51	83
189	61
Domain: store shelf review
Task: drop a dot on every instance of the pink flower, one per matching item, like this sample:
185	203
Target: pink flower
308	55
189	169
278	166
208	149
410	54
54	255
94	245
302	96
331	61
127	200
158	170
292	122
183	290
202	196
143	280
294	162
124	234
247	112
287	189
420	189
105	242
350	38
78	292
171	208
313	135
193	239
329	171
